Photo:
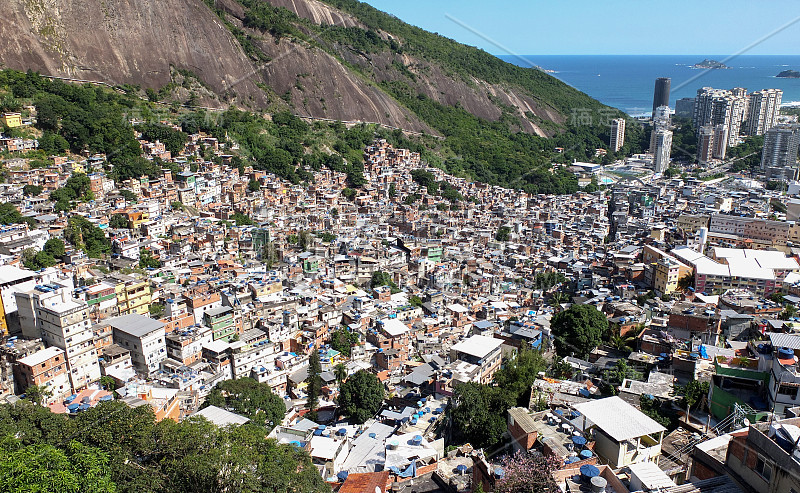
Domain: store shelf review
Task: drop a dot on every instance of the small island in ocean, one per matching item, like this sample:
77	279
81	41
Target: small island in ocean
708	63
789	74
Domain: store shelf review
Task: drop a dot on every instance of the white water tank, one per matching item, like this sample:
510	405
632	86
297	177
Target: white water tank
598	484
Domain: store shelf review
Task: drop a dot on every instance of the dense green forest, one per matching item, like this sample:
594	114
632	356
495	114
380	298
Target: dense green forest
115	448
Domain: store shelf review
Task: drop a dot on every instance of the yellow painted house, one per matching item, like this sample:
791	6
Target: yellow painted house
11	120
667	274
138	218
133	297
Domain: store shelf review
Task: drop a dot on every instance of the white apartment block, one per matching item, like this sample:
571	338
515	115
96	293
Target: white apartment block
49	312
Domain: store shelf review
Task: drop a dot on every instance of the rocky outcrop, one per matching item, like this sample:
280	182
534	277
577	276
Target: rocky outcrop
143	42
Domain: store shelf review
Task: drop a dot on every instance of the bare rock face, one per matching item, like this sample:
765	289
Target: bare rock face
143	42
118	41
318	12
478	97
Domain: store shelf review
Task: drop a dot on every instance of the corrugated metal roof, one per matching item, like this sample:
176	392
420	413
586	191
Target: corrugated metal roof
618	419
784	340
221	417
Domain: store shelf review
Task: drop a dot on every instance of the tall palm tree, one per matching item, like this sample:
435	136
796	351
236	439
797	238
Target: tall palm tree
625	343
340	372
557	298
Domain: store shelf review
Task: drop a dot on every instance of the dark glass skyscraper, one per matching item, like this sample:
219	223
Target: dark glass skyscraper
661	93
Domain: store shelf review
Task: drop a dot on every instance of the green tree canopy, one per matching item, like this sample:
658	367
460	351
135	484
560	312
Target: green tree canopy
147	261
313	381
34	260
147	457
31	190
174	140
128	195
381	278
55	247
343	340
478	414
578	330
340	371
361	396
43	467
118	221
249	398
242	219
86	236
503	233
9	214
693	392
518	374
614	377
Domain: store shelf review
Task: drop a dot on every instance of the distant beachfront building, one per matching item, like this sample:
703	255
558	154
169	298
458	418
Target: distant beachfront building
661	93
763	111
617	134
720	107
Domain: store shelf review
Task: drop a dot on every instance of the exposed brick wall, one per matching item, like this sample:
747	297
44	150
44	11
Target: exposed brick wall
526	440
701	471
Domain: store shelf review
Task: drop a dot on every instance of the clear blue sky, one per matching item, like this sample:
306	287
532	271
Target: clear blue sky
609	27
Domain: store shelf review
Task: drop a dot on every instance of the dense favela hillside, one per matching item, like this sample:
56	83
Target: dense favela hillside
341	60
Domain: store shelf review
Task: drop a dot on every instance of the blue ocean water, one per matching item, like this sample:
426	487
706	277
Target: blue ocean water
626	81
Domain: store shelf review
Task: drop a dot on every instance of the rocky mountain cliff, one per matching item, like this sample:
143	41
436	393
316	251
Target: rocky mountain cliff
345	63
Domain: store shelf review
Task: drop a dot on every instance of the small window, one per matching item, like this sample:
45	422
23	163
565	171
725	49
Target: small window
763	469
788	390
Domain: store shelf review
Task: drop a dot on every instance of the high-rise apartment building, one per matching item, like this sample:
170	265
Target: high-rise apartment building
684	107
663	148
661	120
705	145
661	93
764	106
720	107
721	140
617	134
779	158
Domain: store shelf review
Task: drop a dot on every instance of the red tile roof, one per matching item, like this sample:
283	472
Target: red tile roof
365	482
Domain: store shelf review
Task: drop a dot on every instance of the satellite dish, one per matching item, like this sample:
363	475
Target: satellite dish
746	422
378	489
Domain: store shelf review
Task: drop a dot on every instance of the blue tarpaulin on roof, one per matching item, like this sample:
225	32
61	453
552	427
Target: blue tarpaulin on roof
410	472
